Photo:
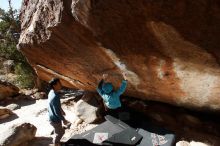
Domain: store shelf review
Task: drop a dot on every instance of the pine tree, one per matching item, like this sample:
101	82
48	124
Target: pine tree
9	36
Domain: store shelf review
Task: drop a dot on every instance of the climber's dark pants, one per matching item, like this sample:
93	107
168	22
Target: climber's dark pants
114	112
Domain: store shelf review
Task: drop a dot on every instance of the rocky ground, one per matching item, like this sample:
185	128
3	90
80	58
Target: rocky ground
30	106
28	110
35	112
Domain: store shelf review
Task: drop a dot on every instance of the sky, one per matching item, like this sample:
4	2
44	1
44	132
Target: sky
16	4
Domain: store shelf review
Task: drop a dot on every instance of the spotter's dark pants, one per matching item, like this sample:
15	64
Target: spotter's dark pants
58	131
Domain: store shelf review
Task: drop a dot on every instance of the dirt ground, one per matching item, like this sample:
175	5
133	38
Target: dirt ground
35	112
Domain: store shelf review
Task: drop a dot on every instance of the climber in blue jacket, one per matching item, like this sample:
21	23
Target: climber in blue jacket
111	97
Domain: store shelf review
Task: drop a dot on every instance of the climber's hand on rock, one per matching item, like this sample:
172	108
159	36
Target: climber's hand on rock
124	76
105	76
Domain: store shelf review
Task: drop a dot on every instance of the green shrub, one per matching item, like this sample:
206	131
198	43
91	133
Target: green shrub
9	51
9	28
25	77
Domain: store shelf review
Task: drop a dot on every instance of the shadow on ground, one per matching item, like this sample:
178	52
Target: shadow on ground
41	141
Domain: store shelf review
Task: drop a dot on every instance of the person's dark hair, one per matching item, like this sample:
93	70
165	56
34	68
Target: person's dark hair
53	82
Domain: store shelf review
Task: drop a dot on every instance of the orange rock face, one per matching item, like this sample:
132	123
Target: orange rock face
168	49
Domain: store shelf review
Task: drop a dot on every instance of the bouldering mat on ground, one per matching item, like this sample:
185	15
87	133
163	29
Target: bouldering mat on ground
114	132
117	132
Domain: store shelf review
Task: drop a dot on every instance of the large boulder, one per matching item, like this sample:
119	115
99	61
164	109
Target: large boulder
168	49
88	108
17	135
7	90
